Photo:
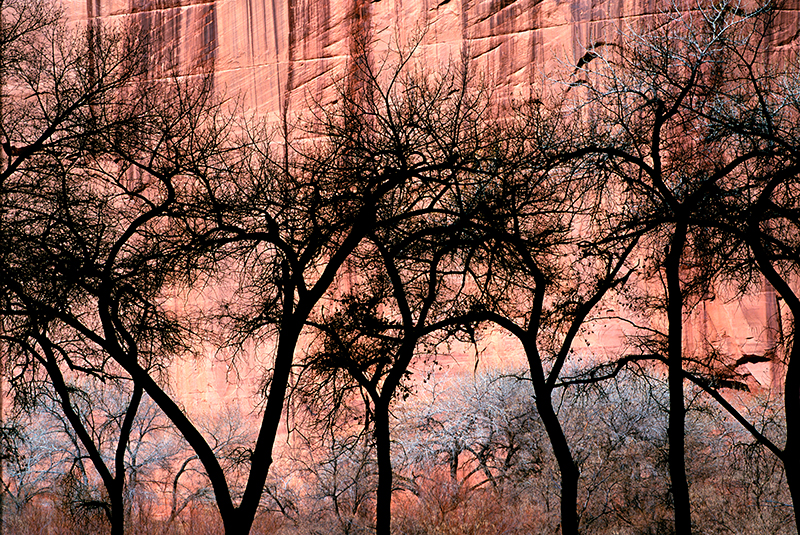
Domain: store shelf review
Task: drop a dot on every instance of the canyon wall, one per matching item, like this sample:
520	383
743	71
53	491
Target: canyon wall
281	54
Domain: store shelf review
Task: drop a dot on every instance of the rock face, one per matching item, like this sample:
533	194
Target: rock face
281	53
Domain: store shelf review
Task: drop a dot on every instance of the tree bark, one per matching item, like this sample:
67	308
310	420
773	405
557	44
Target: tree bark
570	474
677	411
791	462
113	483
243	516
383	498
791	385
117	510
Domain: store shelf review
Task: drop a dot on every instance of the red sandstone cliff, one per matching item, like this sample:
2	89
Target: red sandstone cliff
279	55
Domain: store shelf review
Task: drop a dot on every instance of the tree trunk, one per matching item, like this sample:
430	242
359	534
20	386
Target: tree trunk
566	464
383	499
791	385
791	393
570	474
791	462
117	509
243	516
677	411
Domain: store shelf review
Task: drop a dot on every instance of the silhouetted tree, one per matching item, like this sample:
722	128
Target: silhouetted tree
92	149
650	102
761	211
544	254
402	288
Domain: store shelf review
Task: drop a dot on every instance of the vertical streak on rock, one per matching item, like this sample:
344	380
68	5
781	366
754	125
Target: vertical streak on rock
466	54
580	28
179	57
536	45
774	335
276	47
323	40
251	49
92	41
92	14
290	50
358	68
208	54
92	10
170	30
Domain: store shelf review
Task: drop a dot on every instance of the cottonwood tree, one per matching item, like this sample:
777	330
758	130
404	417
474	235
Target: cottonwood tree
480	426
70	446
338	479
33	465
45	120
770	229
101	164
649	102
366	343
122	189
544	255
89	436
298	214
92	151
288	226
761	112
402	288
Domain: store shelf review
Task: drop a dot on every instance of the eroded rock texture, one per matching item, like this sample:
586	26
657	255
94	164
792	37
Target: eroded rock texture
280	51
281	54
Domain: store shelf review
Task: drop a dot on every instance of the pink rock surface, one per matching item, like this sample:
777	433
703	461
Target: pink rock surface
283	53
278	52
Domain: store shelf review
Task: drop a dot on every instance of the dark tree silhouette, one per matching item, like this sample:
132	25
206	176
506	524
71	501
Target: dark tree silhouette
416	137
92	151
548	259
651	104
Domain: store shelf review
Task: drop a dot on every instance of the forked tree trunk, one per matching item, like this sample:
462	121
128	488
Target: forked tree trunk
570	474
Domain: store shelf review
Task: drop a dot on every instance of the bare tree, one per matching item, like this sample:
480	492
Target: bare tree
649	100
93	148
337	482
761	212
547	252
124	191
402	291
480	426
